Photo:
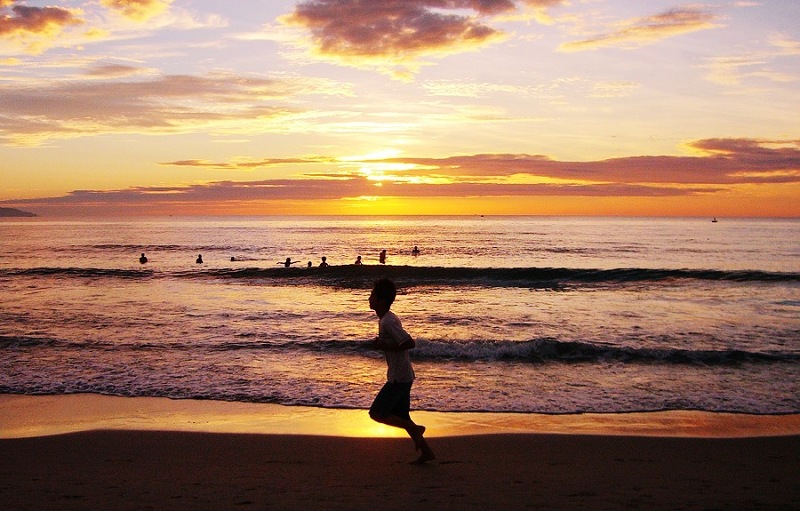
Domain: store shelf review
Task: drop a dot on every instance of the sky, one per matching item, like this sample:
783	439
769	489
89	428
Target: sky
396	107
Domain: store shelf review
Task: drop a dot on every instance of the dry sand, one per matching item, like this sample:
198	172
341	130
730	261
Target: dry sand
111	467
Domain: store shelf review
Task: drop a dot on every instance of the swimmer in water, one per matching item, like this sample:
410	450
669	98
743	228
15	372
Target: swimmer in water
288	263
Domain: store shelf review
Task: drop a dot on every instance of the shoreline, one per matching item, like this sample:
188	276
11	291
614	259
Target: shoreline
24	416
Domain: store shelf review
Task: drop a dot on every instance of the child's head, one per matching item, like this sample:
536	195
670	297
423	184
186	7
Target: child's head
384	292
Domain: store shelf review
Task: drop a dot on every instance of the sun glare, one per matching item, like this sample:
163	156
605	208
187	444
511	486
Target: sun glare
381	154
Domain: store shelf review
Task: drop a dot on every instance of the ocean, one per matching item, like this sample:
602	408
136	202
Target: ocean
511	314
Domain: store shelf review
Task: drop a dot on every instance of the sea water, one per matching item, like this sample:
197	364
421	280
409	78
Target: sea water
510	314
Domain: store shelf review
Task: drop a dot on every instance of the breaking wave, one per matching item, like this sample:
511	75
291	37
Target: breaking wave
363	276
543	350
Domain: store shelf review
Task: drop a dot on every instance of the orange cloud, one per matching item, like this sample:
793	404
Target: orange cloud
374	27
113	71
251	164
365	33
739	170
40	21
345	188
139	10
721	162
637	32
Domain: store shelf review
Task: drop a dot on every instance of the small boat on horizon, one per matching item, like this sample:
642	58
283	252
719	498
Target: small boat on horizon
714	220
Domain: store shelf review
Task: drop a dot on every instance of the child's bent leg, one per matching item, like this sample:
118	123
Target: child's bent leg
415	431
399	422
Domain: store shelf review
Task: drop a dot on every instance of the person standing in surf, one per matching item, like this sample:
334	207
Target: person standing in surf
392	405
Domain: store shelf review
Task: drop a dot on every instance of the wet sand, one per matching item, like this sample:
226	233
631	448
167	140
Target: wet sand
93	452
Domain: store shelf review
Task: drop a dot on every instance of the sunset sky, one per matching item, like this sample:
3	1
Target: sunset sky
247	107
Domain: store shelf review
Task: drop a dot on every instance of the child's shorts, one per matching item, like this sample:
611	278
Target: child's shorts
393	399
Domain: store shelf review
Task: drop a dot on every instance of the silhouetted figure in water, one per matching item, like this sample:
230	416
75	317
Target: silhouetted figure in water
415	252
142	259
288	263
310	264
324	263
382	257
358	261
233	258
199	259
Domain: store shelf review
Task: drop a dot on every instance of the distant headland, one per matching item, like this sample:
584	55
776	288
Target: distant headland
13	212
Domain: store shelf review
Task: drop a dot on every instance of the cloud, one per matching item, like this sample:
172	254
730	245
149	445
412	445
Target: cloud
221	192
219	102
33	30
24	21
637	32
555	90
718	162
113	71
249	164
785	45
755	65
138	10
460	88
393	35
719	165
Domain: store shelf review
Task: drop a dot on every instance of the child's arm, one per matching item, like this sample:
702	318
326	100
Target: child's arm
392	336
382	345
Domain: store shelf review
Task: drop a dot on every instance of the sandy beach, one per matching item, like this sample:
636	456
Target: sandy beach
93	452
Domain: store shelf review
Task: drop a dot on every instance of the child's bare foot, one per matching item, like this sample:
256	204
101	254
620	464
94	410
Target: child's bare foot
426	456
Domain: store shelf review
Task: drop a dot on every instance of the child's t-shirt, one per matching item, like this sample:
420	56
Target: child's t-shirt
391	331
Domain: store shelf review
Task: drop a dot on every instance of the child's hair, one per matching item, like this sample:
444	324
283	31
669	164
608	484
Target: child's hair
385	291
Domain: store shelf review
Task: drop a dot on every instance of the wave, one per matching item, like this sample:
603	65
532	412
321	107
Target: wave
553	350
543	350
525	277
78	273
351	276
135	249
